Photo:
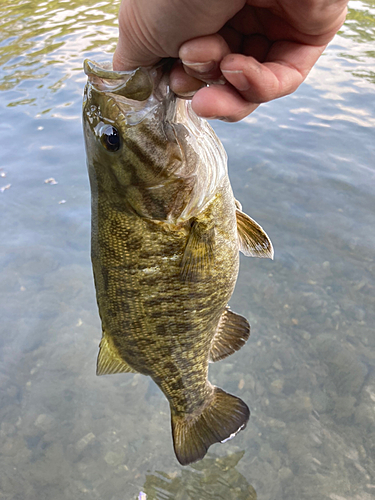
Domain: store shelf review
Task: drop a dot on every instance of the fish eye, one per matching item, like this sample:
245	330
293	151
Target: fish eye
110	138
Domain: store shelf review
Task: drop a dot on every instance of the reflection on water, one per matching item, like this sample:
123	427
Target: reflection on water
360	23
211	479
360	27
303	167
43	42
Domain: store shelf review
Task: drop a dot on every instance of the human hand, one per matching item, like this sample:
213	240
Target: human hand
261	49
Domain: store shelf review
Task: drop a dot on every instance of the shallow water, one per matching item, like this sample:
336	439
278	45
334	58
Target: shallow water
304	168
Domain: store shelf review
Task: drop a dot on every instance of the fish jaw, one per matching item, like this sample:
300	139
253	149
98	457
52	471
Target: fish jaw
195	134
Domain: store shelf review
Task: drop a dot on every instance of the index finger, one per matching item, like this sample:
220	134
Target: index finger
286	66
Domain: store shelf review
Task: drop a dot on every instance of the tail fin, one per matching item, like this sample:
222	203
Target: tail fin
220	420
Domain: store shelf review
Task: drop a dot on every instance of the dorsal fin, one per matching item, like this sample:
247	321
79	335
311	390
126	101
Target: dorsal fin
231	334
109	361
254	241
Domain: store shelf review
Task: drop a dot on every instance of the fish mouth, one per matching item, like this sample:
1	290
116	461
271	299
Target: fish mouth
136	85
148	88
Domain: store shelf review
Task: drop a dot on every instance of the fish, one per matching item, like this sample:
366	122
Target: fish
165	239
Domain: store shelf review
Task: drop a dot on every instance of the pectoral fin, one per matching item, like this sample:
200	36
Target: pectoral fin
254	241
109	361
231	334
199	251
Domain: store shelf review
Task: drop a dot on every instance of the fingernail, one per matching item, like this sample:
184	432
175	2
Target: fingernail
237	79
218	81
200	67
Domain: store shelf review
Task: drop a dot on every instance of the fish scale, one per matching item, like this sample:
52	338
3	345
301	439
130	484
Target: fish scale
166	235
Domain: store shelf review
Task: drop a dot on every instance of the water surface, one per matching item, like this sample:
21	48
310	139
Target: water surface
304	168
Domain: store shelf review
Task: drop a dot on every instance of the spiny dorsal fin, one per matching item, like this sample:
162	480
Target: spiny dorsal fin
109	361
198	255
231	334
220	419
254	241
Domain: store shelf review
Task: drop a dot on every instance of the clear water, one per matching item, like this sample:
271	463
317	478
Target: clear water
304	168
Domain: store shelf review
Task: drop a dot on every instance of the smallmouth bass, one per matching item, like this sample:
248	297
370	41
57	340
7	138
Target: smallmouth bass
166	235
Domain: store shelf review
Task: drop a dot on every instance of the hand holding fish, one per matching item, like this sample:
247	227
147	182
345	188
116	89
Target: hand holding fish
249	52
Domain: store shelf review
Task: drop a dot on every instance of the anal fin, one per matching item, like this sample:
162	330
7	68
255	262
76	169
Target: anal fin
109	361
232	333
254	241
218	421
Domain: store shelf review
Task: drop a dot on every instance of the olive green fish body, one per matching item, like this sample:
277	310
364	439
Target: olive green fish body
166	234
161	324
